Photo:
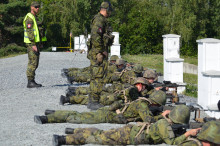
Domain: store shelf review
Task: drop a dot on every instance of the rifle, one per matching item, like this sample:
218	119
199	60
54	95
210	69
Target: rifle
156	110
179	129
201	121
170	89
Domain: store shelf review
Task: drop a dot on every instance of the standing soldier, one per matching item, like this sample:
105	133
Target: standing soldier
101	38
34	34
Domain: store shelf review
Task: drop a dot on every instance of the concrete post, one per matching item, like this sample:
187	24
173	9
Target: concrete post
173	64
115	48
209	75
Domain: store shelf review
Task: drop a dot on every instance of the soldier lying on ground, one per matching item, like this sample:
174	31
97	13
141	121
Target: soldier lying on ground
118	112
128	94
208	136
83	74
117	79
143	133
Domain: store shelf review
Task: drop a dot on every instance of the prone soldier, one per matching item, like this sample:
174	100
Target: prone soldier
143	133
127	94
118	112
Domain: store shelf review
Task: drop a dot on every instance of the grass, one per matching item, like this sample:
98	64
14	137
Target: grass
149	61
190	60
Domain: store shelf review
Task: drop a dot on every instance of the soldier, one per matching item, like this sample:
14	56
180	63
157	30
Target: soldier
143	133
84	75
208	136
34	35
150	76
129	93
101	39
137	110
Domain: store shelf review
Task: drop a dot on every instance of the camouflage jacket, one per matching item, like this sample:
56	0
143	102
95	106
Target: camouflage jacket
157	133
99	27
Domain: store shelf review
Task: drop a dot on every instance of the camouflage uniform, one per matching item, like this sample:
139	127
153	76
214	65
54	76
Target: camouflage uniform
98	60
107	98
33	56
210	132
160	132
118	112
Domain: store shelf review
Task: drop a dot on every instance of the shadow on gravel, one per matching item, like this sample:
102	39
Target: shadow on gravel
61	85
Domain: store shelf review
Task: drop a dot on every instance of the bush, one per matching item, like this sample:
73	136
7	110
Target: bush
12	49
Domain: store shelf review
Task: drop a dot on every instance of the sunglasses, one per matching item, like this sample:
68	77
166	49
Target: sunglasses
37	7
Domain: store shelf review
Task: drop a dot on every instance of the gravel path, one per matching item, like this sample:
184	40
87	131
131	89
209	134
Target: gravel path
19	104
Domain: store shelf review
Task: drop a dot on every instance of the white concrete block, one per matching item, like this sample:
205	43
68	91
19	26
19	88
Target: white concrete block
116	50
209	74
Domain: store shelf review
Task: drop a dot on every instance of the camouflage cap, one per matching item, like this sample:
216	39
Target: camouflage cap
140	80
210	132
106	5
113	57
159	97
180	114
150	74
138	68
35	3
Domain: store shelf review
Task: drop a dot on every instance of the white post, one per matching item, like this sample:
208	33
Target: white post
82	43
173	64
76	43
209	75
115	48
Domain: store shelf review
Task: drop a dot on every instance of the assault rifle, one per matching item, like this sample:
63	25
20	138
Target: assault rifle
200	122
170	89
179	129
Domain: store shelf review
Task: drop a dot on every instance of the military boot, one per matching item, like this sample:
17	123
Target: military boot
59	140
69	131
71	91
47	112
94	105
70	79
33	84
40	119
64	99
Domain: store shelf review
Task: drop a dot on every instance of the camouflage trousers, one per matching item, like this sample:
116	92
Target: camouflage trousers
72	70
33	62
98	73
106	89
102	115
105	99
121	136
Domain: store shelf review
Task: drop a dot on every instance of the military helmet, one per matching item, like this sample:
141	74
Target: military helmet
140	80
106	5
210	132
150	74
138	68
159	97
113	57
180	114
119	61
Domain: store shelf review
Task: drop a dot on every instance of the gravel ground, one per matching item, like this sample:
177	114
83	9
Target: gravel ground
19	104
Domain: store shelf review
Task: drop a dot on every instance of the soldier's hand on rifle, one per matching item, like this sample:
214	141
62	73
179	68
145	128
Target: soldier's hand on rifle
192	132
165	113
